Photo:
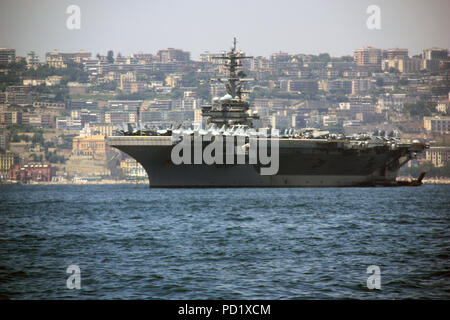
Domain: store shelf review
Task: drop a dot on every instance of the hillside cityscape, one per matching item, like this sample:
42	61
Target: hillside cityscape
56	111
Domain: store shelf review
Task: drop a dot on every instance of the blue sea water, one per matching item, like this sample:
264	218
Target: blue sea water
141	243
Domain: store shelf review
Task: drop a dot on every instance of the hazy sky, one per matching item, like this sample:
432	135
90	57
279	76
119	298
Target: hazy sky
262	27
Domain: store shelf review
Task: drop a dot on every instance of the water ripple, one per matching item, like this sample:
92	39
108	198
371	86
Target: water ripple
224	243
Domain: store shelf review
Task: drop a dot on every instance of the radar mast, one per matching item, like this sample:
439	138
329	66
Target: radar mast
230	109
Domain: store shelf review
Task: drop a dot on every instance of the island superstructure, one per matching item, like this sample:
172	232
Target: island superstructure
307	157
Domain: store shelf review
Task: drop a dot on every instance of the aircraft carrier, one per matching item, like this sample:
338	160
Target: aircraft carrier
305	158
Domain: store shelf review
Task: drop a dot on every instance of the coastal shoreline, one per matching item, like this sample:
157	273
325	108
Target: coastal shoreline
113	182
436	181
99	182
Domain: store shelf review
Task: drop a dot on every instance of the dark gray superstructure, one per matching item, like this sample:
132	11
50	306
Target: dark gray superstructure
307	158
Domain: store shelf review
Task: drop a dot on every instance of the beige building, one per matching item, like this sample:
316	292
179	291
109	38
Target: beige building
56	62
53	80
362	85
94	146
7	161
129	84
402	64
198	115
77	88
45	120
444	105
368	57
11	117
86	166
105	129
171	55
395	53
33	82
7	56
437	124
132	169
435	54
174	80
58	59
438	156
32	59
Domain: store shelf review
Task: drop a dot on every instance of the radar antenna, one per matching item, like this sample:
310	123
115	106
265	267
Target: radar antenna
231	109
233	62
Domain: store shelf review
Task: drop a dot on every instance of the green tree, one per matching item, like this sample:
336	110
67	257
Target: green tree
324	57
159	75
204	91
420	108
38	138
393	70
110	56
105	86
14	137
190	79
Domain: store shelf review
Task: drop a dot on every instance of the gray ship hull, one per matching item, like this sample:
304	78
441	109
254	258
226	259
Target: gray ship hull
302	164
